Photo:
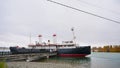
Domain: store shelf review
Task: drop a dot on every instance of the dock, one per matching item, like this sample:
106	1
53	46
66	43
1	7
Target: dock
27	57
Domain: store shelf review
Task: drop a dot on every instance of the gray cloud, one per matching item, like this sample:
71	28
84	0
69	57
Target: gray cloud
20	18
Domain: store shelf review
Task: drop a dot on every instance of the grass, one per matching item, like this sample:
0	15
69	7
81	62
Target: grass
2	63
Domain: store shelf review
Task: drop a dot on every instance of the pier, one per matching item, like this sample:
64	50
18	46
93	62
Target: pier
27	57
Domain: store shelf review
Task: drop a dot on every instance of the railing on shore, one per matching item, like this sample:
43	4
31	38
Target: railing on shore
5	53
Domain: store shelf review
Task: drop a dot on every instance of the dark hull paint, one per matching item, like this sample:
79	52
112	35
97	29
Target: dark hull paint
75	52
66	52
15	50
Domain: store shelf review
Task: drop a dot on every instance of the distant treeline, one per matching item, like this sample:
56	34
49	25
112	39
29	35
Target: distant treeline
107	48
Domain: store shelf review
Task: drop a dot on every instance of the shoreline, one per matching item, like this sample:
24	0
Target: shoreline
36	65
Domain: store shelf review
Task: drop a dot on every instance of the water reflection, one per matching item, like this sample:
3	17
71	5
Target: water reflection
74	62
95	60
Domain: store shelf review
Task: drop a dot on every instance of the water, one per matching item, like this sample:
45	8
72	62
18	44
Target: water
95	60
105	60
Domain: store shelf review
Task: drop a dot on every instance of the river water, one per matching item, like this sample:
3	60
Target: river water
95	60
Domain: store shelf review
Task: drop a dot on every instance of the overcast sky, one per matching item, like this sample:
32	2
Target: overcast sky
20	18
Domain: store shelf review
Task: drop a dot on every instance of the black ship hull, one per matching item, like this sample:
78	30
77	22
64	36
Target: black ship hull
16	50
62	52
74	52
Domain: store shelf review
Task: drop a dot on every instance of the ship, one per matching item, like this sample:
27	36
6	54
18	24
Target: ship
65	49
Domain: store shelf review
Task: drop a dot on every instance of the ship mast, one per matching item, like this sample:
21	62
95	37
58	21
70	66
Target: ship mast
74	37
40	39
54	39
30	39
